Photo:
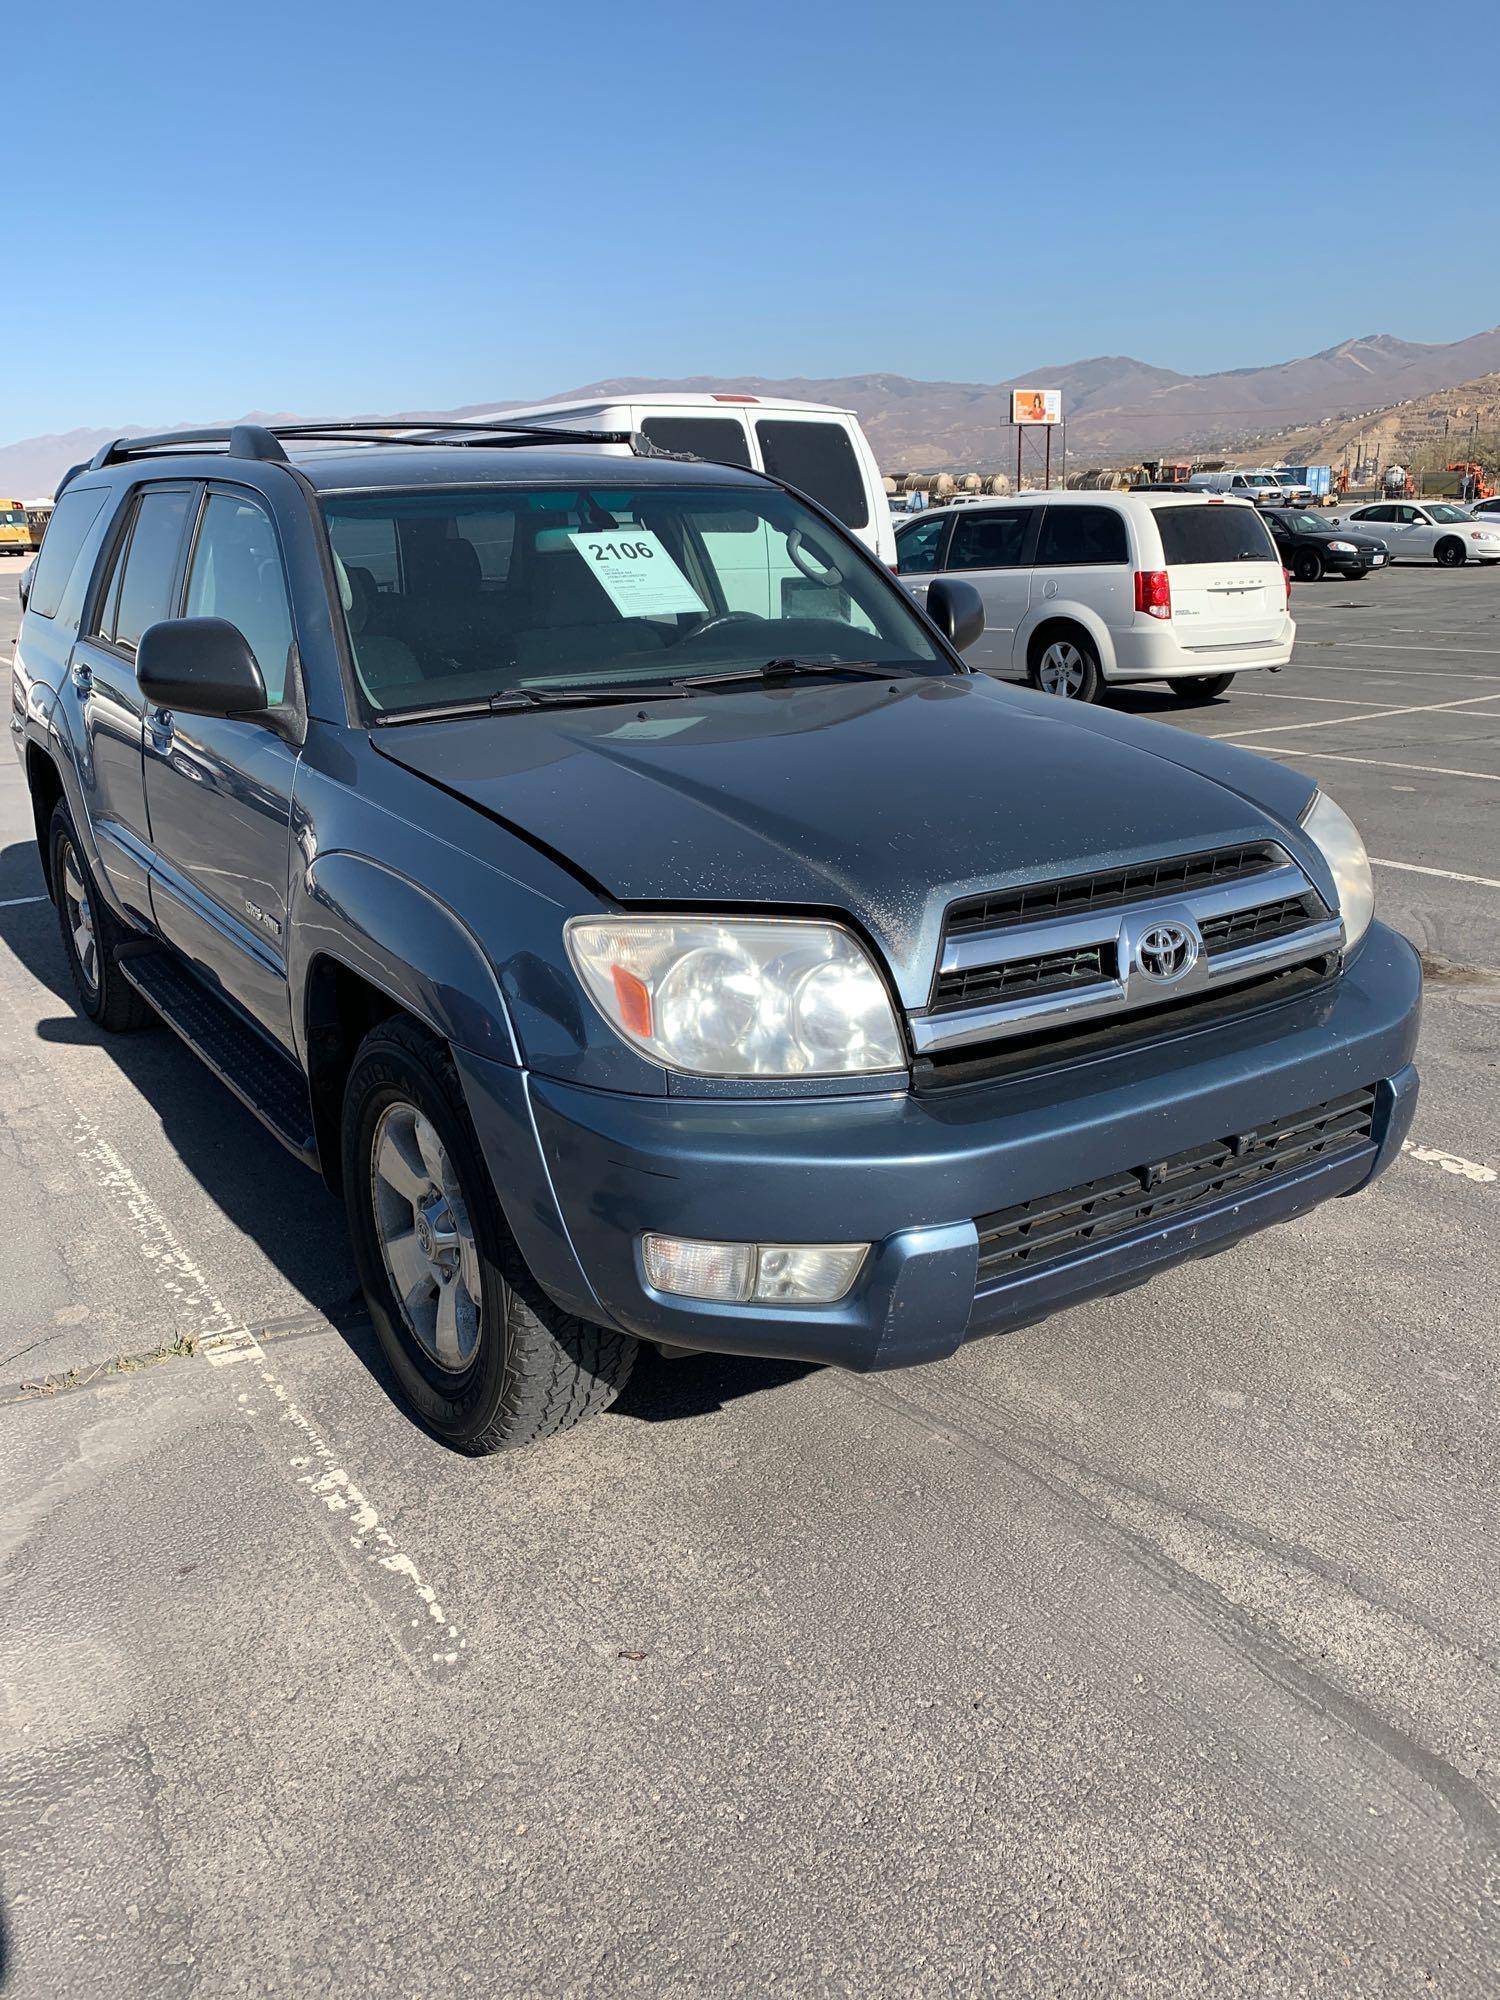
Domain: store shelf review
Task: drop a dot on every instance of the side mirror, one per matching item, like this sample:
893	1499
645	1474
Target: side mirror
957	610
203	666
24	587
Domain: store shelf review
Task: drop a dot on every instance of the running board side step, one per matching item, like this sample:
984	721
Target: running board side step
240	1056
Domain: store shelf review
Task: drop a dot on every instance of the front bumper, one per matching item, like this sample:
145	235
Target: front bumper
584	1173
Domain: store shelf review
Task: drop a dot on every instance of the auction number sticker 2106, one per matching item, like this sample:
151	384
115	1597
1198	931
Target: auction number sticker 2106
642	579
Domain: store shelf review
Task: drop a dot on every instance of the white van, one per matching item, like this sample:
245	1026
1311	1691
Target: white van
1082	590
1256	483
818	449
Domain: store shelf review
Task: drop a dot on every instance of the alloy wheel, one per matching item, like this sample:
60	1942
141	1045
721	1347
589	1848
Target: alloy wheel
80	915
1061	669
426	1237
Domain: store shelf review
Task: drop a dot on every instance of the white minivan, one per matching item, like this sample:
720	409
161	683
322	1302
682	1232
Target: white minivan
1082	590
815	447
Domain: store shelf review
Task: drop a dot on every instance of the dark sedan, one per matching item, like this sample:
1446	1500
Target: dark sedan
1310	546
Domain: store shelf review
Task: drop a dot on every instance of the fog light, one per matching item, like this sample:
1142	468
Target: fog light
738	1273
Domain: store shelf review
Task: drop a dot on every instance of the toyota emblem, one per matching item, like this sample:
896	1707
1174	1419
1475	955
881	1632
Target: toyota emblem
1166	951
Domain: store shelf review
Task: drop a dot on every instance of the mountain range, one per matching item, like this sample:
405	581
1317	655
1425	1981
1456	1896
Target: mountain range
1116	407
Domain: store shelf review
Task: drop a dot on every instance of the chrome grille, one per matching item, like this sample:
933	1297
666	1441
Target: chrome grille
1110	888
1049	972
1265	920
1051	1229
1053	955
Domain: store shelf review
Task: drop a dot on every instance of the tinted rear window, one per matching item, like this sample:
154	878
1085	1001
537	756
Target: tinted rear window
71	520
816	459
721	439
1078	535
1213	535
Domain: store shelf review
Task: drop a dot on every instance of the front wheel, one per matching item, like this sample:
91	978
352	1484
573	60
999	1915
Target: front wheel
1307	566
485	1358
1067	665
1450	553
1200	687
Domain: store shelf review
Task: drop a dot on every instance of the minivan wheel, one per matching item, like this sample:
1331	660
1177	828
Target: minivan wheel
1307	566
1451	552
1200	687
90	935
485	1358
1067	665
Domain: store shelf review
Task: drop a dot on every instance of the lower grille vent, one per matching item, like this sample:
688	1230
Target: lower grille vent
1054	1228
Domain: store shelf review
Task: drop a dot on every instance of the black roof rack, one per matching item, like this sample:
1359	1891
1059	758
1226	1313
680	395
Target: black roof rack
264	441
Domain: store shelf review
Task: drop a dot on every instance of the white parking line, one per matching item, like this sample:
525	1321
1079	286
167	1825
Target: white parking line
1332	721
1380	673
1328	700
1378	763
15	902
1447	874
1384	646
1451	1163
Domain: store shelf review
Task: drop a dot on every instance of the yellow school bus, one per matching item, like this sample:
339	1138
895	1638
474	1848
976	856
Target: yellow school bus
15	530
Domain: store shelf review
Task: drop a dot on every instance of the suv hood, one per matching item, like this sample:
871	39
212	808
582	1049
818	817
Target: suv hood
881	800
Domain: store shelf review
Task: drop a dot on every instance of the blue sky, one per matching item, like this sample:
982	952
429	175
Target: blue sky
327	207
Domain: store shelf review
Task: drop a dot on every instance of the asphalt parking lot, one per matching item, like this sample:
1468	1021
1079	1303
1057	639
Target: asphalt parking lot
1150	1651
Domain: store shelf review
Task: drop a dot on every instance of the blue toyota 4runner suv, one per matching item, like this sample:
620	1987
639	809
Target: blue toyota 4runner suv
596	866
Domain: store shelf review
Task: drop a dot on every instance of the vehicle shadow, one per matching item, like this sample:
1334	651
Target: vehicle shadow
285	1210
282	1207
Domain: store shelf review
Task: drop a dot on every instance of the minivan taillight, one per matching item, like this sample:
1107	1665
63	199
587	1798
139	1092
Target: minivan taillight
1287	576
1153	593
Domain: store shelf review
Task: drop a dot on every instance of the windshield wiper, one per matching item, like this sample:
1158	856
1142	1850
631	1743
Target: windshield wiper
791	668
507	699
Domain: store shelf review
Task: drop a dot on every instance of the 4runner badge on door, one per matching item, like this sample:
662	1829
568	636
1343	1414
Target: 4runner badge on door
642	579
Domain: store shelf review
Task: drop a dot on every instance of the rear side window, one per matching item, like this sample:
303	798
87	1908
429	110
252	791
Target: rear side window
72	518
140	591
721	439
818	459
988	540
1080	535
237	575
1222	534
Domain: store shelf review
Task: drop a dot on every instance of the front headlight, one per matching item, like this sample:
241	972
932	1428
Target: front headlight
1342	549
1337	839
738	996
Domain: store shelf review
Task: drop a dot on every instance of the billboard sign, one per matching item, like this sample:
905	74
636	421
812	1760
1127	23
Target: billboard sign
1036	406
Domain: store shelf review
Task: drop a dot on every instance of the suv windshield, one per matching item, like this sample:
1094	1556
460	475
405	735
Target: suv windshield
456	596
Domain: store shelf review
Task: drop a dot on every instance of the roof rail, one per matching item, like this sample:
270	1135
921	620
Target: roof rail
237	440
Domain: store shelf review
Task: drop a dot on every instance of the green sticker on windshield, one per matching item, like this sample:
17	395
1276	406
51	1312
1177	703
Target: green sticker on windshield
642	579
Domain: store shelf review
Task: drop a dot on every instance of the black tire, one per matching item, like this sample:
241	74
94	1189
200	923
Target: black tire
1451	552
1072	641
548	1370
1307	566
1200	687
104	993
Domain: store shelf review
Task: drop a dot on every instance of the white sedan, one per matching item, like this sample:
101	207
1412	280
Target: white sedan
1416	530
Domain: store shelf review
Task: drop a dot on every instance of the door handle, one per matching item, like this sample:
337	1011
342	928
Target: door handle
83	677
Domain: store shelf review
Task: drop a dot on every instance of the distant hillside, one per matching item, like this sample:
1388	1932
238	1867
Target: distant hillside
1427	430
1116	407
